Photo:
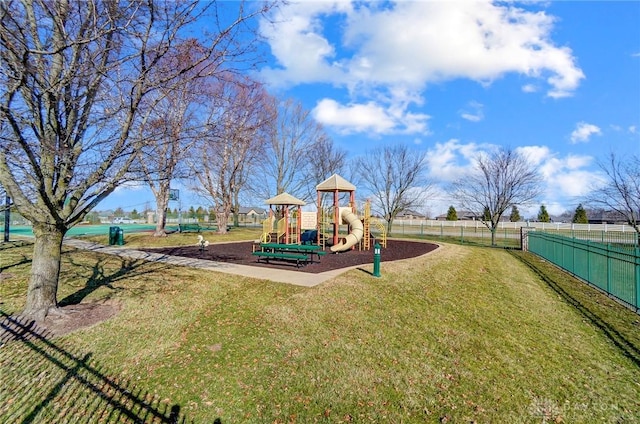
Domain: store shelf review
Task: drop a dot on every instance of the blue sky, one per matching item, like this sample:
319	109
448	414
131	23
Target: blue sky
559	81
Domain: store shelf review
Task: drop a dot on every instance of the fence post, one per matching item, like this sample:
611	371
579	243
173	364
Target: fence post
637	262
524	238
608	268
588	260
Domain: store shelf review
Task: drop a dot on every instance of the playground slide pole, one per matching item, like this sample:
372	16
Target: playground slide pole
354	237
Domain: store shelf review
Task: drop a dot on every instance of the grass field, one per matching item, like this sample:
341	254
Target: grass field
465	334
141	240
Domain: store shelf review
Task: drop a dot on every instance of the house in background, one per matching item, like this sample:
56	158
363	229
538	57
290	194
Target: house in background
411	214
462	216
252	214
601	216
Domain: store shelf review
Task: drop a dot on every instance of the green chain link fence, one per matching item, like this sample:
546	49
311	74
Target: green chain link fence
614	269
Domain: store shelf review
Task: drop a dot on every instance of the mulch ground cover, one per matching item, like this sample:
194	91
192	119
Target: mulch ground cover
240	253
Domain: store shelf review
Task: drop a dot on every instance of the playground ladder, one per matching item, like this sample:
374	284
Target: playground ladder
267	229
366	238
383	232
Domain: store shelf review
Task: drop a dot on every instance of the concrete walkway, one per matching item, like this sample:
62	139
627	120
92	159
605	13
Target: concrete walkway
280	276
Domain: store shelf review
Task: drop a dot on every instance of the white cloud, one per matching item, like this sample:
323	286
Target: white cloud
369	117
536	154
583	132
357	117
296	40
577	161
632	129
529	88
473	113
413	43
452	159
565	178
574	183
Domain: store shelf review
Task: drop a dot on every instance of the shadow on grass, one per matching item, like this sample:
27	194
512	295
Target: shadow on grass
23	259
44	382
100	277
608	327
6	245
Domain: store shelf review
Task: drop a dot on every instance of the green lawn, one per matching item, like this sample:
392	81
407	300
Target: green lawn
141	240
465	334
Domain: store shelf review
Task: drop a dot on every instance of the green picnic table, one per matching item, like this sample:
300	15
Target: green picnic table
301	253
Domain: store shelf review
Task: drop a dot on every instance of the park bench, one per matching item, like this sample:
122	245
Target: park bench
293	248
286	256
189	228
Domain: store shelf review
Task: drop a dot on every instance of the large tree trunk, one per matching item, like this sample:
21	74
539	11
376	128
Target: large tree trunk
45	270
222	218
236	218
161	216
389	225
162	202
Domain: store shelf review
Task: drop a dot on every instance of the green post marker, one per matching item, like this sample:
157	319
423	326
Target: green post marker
376	260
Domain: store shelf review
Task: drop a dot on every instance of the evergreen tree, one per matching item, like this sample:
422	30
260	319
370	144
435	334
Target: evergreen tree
580	217
543	215
119	212
200	213
486	214
515	214
93	218
452	215
134	214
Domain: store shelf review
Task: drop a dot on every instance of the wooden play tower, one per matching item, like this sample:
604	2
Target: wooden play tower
287	228
335	184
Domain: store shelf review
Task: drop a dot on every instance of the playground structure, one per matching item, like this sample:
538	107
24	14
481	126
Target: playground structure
284	225
355	235
359	230
368	221
287	228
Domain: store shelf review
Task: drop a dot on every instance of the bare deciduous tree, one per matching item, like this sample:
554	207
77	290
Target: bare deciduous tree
291	136
74	74
323	159
621	189
499	180
394	177
233	143
170	127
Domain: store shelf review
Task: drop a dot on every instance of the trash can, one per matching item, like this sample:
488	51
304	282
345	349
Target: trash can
113	235
120	237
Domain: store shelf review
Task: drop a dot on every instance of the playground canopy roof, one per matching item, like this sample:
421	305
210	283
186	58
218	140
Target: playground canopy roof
284	199
335	182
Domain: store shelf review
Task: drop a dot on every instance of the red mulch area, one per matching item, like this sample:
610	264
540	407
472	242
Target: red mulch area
240	253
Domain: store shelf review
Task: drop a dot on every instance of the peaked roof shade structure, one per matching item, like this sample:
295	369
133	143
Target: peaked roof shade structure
284	199
291	235
335	182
